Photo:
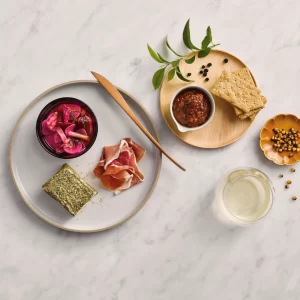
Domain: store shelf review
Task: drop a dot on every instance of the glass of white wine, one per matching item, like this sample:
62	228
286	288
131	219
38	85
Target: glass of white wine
243	196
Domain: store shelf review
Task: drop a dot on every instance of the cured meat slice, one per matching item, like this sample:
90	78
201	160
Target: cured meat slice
137	149
117	168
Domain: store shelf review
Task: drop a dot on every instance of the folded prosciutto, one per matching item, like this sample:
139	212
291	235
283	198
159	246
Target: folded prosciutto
117	168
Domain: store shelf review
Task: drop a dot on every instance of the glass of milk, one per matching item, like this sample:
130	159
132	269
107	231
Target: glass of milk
244	196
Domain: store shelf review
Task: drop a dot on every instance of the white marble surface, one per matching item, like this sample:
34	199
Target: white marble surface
174	248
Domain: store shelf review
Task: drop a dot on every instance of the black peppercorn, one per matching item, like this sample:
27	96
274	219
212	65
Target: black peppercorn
204	74
189	74
206	79
203	67
225	60
206	70
209	64
201	72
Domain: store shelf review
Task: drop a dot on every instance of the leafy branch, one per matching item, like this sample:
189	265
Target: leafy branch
173	66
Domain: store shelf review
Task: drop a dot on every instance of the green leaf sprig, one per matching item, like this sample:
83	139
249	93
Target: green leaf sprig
173	66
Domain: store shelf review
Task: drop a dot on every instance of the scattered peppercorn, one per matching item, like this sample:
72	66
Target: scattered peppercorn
189	74
287	186
206	79
209	65
280	175
294	198
203	67
225	60
201	72
288	181
206	70
205	74
293	170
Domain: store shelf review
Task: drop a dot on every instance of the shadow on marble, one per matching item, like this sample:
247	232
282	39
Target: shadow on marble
208	227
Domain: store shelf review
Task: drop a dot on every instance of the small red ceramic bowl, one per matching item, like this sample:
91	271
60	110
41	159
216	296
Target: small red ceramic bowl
84	111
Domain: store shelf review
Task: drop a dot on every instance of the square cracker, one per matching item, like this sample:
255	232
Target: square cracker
253	113
239	93
245	75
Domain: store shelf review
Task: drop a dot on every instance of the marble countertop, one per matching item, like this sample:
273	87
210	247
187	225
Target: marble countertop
173	248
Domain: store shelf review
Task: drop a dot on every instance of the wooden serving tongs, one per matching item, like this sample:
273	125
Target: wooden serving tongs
112	90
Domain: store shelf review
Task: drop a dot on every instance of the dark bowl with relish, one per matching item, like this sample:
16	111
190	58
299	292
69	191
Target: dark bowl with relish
66	128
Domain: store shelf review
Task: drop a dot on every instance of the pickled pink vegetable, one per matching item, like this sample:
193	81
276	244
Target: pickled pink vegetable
57	138
51	121
81	131
66	113
45	128
67	128
74	147
85	122
52	143
70	132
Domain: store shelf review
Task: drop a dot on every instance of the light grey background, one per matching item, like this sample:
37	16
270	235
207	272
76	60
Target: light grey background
174	248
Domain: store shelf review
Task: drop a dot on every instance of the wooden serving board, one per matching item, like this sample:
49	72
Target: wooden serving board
226	127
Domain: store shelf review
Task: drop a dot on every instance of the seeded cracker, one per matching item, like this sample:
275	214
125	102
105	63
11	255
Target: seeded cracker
237	92
245	75
69	189
253	113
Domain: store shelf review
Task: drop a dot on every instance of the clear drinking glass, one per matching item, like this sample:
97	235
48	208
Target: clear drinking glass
243	196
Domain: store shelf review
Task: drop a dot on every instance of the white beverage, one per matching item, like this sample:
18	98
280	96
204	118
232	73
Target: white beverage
244	196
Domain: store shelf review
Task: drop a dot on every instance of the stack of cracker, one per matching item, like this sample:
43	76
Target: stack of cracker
238	88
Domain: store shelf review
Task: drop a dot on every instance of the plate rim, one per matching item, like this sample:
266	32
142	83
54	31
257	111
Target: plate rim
27	108
222	146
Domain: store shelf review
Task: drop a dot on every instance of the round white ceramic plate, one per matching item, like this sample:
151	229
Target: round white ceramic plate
32	166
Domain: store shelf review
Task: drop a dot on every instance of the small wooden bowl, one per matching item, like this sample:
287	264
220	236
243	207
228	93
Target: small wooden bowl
266	145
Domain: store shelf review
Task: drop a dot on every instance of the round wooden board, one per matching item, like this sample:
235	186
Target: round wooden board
225	128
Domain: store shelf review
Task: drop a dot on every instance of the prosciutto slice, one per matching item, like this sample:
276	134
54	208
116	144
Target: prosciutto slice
118	169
